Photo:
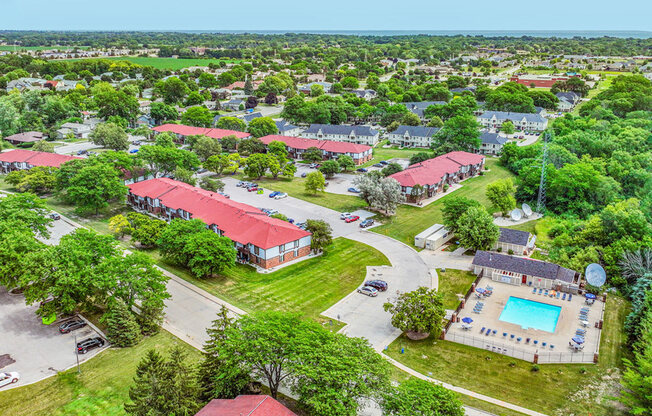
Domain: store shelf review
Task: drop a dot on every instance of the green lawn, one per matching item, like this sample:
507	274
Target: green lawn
380	153
452	282
101	389
169	63
308	287
410	221
557	389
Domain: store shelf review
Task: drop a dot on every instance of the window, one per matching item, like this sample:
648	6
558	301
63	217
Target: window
256	251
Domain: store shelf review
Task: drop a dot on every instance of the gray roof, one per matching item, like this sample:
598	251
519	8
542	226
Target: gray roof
417	107
248	117
511	236
416	131
492	138
341	129
569	96
525	266
471	88
504	115
362	93
283	126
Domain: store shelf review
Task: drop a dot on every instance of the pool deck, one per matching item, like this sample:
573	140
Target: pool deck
567	324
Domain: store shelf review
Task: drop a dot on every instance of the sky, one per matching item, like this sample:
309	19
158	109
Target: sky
297	15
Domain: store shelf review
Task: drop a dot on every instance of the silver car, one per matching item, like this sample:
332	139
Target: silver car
368	290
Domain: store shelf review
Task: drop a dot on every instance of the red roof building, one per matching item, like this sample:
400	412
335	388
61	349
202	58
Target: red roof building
245	405
21	159
433	174
239	85
360	153
539	81
260	239
183	131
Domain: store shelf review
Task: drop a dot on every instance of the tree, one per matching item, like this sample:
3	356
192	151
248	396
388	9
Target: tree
501	195
388	194
322	234
316	90
251	102
166	139
271	99
173	239
262	126
411	119
349	82
145	230
229	142
217	163
111	136
315	182
198	117
207	80
435	121
251	146
391	169
185	175
277	148
476	229
256	165
544	99
313	154
164	387
94	186
418	313
161	112
416	397
459	133
165	160
122	330
43	146
39	179
329	168
209	253
194	98
453	210
119	225
420	157
206	147
346	163
231	123
213	185
507	127
172	89
110	102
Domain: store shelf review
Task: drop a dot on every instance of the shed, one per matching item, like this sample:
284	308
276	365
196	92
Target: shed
420	239
438	238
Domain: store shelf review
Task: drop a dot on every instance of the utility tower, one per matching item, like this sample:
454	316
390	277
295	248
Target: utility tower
541	199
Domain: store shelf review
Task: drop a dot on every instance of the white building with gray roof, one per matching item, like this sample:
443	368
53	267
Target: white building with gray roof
412	136
491	143
343	133
521	121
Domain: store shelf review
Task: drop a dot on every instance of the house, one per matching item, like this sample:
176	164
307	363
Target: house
183	131
517	241
250	116
305	88
521	121
296	146
366	94
412	136
22	84
427	179
78	130
239	85
145	120
491	143
418	108
245	405
520	271
259	239
287	129
21	159
233	104
567	100
27	137
343	133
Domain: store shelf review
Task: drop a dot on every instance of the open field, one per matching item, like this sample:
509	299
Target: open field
101	389
452	282
380	153
579	389
168	63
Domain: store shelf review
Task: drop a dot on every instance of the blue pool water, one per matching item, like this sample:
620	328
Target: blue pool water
531	314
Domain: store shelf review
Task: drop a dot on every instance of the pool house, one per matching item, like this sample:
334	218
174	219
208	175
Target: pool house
524	271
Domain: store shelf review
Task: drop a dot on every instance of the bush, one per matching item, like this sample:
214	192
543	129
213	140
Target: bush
481	173
499	249
446	186
510	251
512	363
535	368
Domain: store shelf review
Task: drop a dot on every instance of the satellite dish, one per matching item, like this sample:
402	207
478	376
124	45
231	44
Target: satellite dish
527	211
516	214
595	275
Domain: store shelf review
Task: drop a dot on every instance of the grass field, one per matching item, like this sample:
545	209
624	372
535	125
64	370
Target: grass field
380	153
169	63
579	389
101	389
452	282
410	221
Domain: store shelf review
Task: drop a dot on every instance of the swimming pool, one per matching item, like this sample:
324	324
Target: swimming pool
530	314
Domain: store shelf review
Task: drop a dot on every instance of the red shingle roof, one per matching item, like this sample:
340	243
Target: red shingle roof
192	131
246	405
432	171
240	222
327	145
35	158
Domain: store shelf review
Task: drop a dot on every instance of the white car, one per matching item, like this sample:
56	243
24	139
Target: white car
281	195
8	378
345	215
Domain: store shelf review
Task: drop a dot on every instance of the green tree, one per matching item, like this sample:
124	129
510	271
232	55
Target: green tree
122	330
146	230
418	313
43	146
420	157
161	112
93	187
111	136
416	397
458	133
322	234
453	210
173	239
206	147
329	168
119	225
315	182
262	126
346	163
349	82
251	146
507	127
198	117
476	229
231	123
391	169
256	165
435	121
217	163
209	253
313	154
411	119
172	89
501	195
316	90
213	185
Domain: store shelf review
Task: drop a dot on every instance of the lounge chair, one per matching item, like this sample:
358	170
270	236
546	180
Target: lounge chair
570	296
527	340
580	332
543	344
534	290
535	342
546	293
552	347
505	334
494	332
563	297
488	332
488	347
558	295
511	337
518	339
585	309
477	311
540	290
482	330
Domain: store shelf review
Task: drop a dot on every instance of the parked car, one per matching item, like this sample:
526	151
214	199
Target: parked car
313	166
291	220
366	223
345	215
302	225
133	151
224	195
88	344
368	290
273	194
202	170
137	143
71	325
379	285
384	162
352	218
363	170
280	195
354	190
9	378
240	184
378	165
252	188
82	152
55	216
304	174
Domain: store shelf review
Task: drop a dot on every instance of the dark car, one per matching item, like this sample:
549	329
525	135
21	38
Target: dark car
71	325
380	285
363	170
202	170
88	344
384	162
82	152
366	223
55	216
378	165
137	143
354	190
304	174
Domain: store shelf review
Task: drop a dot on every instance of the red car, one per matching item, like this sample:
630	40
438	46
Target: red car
251	189
352	218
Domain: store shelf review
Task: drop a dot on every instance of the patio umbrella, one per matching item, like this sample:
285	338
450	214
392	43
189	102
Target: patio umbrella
589	295
578	340
467	320
480	290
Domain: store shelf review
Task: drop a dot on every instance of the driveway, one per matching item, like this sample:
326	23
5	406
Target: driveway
73	148
58	229
32	349
436	259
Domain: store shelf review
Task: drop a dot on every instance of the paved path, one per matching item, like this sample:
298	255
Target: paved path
436	259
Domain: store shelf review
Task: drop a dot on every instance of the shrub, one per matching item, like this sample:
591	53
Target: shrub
535	368
446	186
510	251
499	249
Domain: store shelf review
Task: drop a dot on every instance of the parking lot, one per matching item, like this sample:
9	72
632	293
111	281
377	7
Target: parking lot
32	349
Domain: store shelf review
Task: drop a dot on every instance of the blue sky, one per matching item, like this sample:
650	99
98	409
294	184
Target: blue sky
294	15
